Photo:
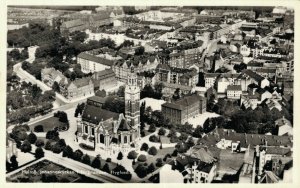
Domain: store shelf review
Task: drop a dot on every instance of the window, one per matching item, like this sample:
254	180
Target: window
86	129
125	139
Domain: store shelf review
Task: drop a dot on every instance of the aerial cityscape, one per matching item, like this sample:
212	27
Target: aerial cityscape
149	94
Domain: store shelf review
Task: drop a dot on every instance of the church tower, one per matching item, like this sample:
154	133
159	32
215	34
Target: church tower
132	101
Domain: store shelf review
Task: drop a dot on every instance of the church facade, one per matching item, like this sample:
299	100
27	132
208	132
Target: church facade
106	130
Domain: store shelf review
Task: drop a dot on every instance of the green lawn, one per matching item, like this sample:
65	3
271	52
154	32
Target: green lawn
48	124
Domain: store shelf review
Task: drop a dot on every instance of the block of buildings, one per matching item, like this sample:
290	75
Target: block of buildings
181	110
104	79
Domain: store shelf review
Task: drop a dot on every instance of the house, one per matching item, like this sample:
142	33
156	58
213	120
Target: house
73	25
194	169
181	110
109	131
77	88
104	79
50	75
100	19
96	101
256	78
285	127
234	92
94	62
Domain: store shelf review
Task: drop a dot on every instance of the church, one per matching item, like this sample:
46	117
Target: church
109	131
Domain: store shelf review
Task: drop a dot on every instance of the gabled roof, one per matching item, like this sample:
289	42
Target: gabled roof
72	23
183	103
81	82
96	59
253	75
234	88
94	114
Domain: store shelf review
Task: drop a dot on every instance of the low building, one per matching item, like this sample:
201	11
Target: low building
105	79
91	63
234	92
77	88
73	25
50	75
96	101
284	126
181	110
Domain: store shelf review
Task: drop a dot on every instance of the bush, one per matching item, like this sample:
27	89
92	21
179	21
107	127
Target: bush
159	162
106	168
96	163
67	152
121	172
144	147
161	131
56	148
120	156
152	151
153	138
77	155
39	153
86	147
151	168
142	158
132	155
108	160
175	153
26	146
48	145
86	159
141	171
39	143
38	128
152	128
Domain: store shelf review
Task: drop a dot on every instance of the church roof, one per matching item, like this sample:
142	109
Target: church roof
94	114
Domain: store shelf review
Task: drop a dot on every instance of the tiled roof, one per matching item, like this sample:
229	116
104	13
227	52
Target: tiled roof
253	75
94	114
104	74
81	82
97	99
72	23
245	139
234	88
96	59
183	103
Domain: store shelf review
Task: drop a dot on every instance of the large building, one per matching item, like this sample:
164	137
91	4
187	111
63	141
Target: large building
181	110
105	79
78	88
111	131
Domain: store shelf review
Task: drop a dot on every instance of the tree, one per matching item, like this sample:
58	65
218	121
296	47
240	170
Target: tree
152	128
39	153
120	156
153	138
26	146
142	158
175	152
39	143
96	163
38	128
190	142
159	162
198	132
161	131
48	145
61	143
77	155
14	163
106	168
67	152
15	54
56	148
150	168
152	151
31	138
52	135
86	159
121	91
56	87
139	50
132	155
141	171
144	147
